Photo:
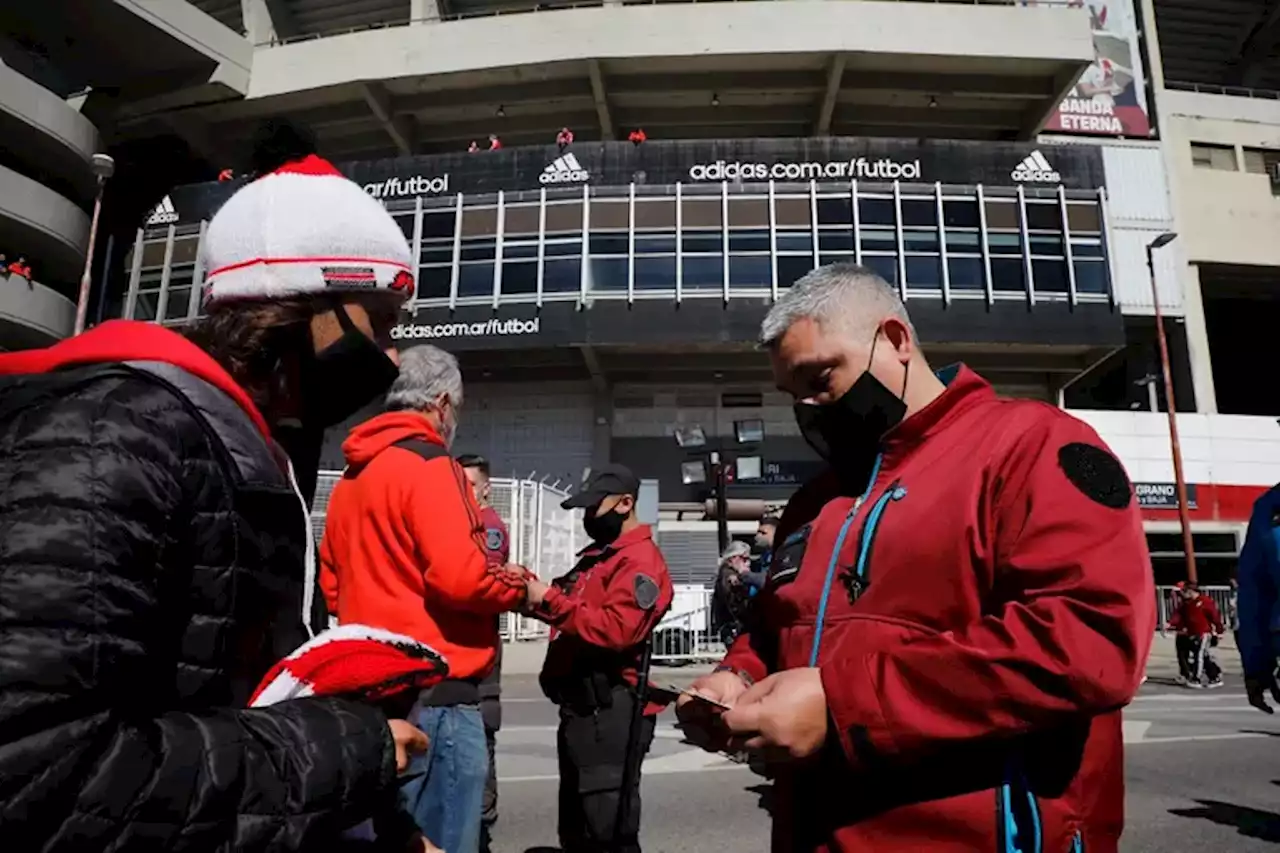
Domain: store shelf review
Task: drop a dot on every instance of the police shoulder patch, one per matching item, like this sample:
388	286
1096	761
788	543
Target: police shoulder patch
493	539
646	592
1096	473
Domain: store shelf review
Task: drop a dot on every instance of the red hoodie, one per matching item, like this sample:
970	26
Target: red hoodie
129	340
404	547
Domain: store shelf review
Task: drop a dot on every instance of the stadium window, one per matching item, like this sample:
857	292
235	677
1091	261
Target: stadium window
700	213
793	267
655	244
835	240
1008	275
656	213
966	273
477	250
608	274
521	220
438	226
750	271
562	275
1091	276
791	211
703	272
885	266
1002	213
479	221
755	240
924	272
563	217
920	239
835	211
878	239
1083	217
610	214
434	282
702	242
519	277
609	244
1205	155
475	279
875	210
656	273
919	212
960	214
1044	215
748	212
794	241
1050	275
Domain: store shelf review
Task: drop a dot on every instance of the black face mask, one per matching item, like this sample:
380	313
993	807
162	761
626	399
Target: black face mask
344	377
847	432
605	528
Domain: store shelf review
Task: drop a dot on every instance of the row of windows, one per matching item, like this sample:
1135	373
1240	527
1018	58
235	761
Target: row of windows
1227	158
438	226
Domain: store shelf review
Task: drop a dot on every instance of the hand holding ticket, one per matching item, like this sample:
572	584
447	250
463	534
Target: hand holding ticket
700	706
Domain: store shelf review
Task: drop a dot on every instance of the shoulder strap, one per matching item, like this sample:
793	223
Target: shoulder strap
428	450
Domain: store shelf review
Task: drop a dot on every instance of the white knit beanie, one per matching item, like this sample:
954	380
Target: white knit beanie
303	229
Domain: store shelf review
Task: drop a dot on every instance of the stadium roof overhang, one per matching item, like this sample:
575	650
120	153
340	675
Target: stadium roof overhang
124	51
679	70
1225	43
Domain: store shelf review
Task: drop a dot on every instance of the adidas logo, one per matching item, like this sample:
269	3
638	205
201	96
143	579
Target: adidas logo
564	170
164	213
1036	169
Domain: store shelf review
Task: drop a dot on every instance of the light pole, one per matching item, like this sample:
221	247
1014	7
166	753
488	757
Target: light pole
1171	408
103	167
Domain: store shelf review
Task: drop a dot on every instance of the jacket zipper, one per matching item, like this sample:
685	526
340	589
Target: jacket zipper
1077	843
867	539
1012	837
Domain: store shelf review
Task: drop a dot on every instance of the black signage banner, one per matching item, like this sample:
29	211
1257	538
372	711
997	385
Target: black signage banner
1162	495
736	161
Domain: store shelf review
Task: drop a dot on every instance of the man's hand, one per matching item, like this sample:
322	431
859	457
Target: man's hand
536	591
409	742
1257	686
787	712
421	844
700	721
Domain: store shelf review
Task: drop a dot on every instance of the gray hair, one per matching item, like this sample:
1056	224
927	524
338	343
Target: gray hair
845	297
736	548
426	373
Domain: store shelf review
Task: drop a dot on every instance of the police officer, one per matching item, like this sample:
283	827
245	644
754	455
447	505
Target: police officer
497	543
604	612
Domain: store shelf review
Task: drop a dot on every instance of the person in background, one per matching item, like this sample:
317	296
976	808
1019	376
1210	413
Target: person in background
952	636
495	144
226	175
1233	611
762	547
473	147
564	139
497	542
735	585
605	610
20	268
4	264
1197	618
1259	574
1183	643
405	550
156	546
637	137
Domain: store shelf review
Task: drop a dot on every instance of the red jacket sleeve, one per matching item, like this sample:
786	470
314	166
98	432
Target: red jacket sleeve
620	621
1215	615
1068	638
444	521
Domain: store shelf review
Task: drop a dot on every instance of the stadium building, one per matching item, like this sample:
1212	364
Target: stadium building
1005	165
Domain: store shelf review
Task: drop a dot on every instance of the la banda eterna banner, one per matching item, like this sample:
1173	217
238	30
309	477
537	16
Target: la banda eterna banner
738	161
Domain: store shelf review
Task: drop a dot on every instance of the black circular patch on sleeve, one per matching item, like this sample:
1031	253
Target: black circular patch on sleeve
647	592
1096	473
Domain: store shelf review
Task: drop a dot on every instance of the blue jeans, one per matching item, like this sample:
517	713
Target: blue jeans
446	801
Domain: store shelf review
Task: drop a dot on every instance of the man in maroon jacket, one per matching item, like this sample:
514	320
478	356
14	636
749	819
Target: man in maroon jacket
1197	618
954	615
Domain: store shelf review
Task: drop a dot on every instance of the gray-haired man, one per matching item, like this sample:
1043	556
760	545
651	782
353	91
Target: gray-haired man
405	549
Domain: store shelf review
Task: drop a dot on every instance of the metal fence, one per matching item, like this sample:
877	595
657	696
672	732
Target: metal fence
544	538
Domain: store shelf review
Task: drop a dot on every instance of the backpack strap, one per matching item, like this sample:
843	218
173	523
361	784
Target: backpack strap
428	450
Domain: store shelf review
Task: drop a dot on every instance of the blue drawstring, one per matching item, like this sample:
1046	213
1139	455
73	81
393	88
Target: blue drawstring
835	558
1013	842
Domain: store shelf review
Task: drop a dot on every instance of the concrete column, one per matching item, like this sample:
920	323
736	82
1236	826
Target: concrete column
423	11
258	26
602	431
1198	342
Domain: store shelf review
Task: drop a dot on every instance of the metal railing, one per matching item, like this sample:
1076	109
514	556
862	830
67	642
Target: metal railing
1215	89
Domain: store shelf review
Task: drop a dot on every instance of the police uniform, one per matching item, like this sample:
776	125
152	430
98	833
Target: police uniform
604	612
497	543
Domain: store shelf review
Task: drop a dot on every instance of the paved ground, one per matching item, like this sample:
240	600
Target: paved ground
1203	771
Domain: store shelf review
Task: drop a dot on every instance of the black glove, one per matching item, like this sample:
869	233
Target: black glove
1257	686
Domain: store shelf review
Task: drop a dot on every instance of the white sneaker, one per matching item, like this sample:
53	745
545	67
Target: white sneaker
1181	680
1195	685
1216	683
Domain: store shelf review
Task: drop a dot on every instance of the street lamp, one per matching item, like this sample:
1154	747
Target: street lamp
103	167
1171	408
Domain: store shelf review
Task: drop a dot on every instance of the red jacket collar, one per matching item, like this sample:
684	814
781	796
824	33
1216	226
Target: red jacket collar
964	390
130	340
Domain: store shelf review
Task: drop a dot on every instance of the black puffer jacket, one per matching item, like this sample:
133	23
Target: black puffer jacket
150	572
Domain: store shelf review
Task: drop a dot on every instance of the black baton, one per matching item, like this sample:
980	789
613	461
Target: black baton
631	761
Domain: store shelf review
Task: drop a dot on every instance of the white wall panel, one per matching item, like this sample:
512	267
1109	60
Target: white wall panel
532	429
1137	185
653	411
1129	274
1232	450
